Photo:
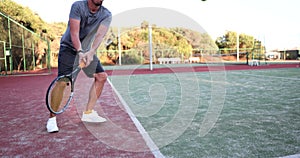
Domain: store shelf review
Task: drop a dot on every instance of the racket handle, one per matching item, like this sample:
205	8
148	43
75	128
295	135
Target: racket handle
82	64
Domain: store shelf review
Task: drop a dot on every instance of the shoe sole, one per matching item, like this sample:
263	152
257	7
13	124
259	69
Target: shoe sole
91	121
53	132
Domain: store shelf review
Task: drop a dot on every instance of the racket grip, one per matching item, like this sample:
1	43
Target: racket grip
81	64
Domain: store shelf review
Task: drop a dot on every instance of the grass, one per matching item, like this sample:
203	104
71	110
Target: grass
252	113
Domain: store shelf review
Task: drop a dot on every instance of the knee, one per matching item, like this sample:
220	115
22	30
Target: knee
101	77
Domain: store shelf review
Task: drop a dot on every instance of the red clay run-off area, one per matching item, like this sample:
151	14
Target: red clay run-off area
23	116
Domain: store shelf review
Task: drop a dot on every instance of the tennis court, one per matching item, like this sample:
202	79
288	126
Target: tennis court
205	111
242	113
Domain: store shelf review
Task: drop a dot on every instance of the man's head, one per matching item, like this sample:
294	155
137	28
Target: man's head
97	2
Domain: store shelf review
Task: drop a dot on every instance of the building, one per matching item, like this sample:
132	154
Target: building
288	54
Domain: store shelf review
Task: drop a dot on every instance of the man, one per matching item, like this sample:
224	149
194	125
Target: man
88	23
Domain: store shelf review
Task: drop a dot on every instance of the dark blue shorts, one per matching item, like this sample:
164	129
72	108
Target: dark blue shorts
68	61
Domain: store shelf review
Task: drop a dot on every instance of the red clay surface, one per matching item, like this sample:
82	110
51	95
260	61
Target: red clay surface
23	117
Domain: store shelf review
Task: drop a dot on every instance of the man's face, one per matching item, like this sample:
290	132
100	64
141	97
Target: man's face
97	2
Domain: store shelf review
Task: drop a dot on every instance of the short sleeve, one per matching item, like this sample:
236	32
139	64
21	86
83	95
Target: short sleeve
75	11
106	21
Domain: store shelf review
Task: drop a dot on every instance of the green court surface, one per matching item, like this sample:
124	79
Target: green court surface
244	113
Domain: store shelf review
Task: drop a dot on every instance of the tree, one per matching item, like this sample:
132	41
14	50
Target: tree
228	43
23	15
196	39
19	36
246	41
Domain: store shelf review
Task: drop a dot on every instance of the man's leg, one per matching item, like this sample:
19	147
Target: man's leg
66	60
96	71
96	90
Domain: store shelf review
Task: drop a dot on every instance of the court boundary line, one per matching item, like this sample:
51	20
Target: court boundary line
150	143
273	77
291	156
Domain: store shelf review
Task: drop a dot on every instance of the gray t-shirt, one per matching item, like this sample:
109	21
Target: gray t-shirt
89	23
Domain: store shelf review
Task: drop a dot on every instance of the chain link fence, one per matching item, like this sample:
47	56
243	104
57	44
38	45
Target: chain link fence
22	50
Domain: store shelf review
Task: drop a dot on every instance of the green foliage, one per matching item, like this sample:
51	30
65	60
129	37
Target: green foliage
246	41
23	15
228	42
167	42
56	30
131	57
196	39
32	21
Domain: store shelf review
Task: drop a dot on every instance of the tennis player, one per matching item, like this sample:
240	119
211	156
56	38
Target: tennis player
88	23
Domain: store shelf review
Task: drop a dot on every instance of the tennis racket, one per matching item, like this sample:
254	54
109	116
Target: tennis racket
61	91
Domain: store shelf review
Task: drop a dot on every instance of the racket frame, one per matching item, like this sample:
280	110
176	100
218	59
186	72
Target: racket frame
72	77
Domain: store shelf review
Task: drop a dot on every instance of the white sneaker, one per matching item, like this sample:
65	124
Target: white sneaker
92	117
52	125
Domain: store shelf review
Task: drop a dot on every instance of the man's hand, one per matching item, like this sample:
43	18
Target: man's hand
89	57
82	60
86	58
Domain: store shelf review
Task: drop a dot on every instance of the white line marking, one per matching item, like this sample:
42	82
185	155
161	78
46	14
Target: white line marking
274	77
152	146
291	156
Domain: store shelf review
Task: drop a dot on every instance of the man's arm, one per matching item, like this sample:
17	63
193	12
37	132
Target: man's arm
74	31
101	32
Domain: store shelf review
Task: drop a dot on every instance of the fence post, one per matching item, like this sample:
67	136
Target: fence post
23	49
9	40
33	57
49	56
5	53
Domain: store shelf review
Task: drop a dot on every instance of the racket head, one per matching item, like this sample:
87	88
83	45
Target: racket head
59	94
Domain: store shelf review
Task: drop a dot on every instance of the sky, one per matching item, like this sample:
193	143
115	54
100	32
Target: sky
275	22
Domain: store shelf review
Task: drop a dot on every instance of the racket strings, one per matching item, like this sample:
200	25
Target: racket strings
60	94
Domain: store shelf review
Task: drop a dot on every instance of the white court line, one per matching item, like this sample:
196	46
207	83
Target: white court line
245	85
152	146
275	77
291	156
